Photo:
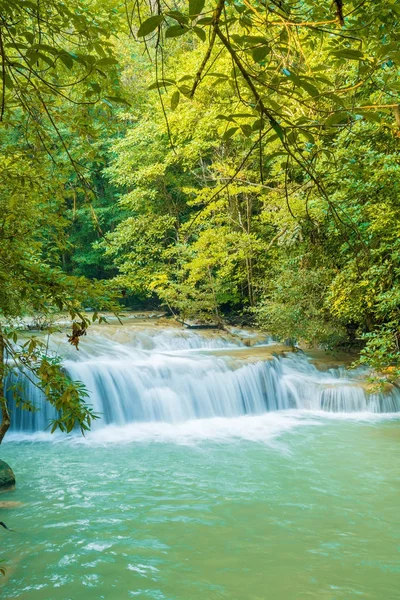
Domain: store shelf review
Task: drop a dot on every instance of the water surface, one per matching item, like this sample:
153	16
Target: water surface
285	506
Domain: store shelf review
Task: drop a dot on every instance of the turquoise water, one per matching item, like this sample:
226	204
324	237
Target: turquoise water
283	506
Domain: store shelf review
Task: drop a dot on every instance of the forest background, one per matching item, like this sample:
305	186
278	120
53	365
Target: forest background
227	160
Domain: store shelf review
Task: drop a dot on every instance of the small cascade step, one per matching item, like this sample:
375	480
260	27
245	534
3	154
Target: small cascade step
128	384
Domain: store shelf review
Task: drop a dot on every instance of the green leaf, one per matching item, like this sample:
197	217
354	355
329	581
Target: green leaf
29	36
348	53
278	129
186	90
18	46
178	16
205	21
95	87
195	7
175	31
255	39
246	129
245	21
29	4
150	25
308	135
239	7
46	48
45	59
336	99
118	100
219	80
66	58
336	118
258	124
303	83
229	133
107	61
85	59
260	53
371	116
240	115
200	33
175	99
7	80
101	73
221	75
239	39
308	87
160	84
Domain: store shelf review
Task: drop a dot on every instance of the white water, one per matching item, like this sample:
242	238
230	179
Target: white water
195	382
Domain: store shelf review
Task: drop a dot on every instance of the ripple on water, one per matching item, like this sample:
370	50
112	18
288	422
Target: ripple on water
225	518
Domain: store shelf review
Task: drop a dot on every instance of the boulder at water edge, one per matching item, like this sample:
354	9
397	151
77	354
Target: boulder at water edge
7	477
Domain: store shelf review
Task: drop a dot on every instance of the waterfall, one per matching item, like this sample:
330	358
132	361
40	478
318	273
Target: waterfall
174	376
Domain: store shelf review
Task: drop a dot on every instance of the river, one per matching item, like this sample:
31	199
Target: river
218	471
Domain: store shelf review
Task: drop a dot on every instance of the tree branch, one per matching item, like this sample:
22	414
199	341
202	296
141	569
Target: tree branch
216	18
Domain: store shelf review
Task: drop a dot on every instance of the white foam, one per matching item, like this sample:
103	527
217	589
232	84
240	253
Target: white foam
261	428
147	393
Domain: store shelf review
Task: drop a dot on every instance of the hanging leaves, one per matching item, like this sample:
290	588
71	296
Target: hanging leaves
150	25
200	33
176	31
229	133
175	99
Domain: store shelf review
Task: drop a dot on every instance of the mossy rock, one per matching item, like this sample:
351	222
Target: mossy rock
7	477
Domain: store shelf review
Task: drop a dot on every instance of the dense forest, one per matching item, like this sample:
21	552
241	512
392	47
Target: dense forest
226	160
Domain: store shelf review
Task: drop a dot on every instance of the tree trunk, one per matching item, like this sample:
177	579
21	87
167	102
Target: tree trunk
5	415
216	311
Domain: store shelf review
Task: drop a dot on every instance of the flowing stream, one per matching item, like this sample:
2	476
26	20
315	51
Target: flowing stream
222	467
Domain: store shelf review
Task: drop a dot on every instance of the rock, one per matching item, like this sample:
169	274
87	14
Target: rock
7	477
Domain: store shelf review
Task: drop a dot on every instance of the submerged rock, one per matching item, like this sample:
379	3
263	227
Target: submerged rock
7	477
10	504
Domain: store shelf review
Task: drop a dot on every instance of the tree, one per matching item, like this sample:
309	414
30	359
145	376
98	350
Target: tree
54	60
272	160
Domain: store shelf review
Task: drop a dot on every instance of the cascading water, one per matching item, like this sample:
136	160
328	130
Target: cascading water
174	376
